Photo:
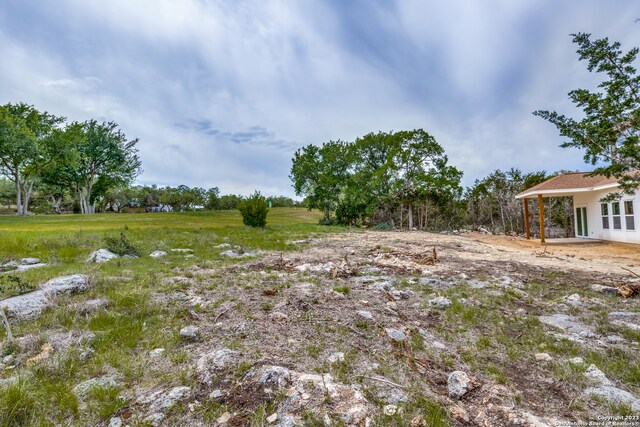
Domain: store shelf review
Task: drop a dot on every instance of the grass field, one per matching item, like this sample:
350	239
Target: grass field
133	325
65	241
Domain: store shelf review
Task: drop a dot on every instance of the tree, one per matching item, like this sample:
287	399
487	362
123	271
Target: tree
254	210
419	167
101	158
25	136
610	129
212	199
319	173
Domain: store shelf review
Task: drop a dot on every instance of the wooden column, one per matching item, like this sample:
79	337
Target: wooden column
541	208
525	202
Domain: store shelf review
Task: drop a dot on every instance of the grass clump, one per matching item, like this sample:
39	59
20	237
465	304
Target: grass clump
121	245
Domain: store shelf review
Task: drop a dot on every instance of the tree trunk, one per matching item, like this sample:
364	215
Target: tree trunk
18	195
410	216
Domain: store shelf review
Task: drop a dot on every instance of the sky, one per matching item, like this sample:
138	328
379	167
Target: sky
222	93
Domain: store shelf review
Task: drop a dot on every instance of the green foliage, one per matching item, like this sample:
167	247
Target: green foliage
254	211
121	245
609	131
377	177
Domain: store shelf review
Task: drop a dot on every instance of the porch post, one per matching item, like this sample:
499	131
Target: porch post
525	202
541	208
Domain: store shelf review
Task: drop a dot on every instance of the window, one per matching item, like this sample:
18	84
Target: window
628	215
615	213
604	209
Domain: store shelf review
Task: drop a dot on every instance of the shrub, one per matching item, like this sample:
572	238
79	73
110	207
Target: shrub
254	211
121	245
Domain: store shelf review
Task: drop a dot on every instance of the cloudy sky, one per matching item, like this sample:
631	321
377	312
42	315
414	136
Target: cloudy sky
221	93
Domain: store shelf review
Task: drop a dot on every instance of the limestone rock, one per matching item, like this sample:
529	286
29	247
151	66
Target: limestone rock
101	255
163	400
156	352
458	384
30	305
106	381
365	314
336	357
396	334
157	254
190	333
440	302
610	290
605	389
115	422
208	364
277	316
543	357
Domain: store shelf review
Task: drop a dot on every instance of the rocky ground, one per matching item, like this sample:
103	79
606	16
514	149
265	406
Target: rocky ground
357	329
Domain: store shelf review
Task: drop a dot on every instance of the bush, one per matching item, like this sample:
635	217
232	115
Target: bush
121	245
254	210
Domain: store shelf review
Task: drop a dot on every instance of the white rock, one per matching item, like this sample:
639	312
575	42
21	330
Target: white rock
395	334
574	300
29	261
156	352
390	410
223	418
543	357
365	314
440	302
272	418
182	250
208	364
83	389
223	246
8	360
336	357
615	395
157	254
216	394
154	420
101	255
577	361
166	400
30	305
458	384
604	289
190	333
115	422
277	316
596	375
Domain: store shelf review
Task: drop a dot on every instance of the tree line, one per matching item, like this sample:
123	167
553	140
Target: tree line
127	198
402	180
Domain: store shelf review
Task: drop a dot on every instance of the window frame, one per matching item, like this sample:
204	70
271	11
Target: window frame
604	213
616	216
629	217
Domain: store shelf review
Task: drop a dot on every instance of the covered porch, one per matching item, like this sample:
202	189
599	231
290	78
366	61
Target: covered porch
574	185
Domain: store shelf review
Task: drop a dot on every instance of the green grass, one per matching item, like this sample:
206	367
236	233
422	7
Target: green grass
133	323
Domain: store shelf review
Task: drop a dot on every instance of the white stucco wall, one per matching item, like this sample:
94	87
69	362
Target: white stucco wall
592	202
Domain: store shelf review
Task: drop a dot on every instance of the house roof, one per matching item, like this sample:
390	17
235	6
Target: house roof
567	183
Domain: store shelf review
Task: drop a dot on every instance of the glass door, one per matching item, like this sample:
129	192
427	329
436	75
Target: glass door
582	230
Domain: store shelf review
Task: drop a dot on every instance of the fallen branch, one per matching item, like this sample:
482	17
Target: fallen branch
220	315
382	380
630	271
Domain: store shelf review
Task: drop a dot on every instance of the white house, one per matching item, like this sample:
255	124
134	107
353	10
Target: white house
617	221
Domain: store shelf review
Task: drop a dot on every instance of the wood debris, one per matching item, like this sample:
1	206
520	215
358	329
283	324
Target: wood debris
628	290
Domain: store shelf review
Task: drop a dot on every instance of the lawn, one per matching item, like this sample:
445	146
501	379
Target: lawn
65	241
